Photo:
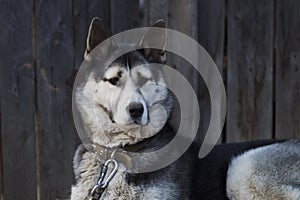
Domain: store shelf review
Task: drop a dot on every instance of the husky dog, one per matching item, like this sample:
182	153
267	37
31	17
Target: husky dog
127	113
266	173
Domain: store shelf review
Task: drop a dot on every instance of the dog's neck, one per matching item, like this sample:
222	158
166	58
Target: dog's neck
149	144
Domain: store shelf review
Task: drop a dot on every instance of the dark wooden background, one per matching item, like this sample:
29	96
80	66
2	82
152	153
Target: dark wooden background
255	43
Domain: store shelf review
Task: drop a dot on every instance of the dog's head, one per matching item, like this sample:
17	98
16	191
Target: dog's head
127	101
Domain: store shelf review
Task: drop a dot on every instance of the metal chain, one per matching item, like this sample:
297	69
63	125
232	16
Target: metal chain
102	183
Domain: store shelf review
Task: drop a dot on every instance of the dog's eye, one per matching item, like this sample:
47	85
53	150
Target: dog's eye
113	81
142	81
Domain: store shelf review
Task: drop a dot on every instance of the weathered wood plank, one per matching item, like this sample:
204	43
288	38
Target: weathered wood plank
83	12
182	17
154	10
80	16
1	166
287	69
211	29
101	9
250	70
125	15
56	128
17	100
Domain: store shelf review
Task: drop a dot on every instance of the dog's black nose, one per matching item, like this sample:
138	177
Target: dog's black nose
135	110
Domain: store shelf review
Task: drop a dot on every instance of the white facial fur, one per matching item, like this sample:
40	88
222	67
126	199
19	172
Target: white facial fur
97	98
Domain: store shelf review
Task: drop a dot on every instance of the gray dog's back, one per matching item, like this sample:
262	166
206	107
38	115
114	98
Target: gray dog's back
269	172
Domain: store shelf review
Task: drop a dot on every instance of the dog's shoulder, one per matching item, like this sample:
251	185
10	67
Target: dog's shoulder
86	168
78	155
83	160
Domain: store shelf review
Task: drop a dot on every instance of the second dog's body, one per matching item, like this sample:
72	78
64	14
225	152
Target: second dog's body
266	173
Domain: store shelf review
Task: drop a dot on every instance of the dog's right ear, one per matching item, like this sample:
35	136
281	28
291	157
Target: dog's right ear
96	35
157	37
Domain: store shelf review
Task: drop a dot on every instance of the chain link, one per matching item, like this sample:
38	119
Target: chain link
102	183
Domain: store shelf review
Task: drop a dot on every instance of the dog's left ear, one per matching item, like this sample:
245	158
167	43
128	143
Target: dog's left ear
157	37
96	35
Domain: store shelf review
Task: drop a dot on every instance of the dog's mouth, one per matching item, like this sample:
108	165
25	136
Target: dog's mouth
137	123
108	112
133	130
132	124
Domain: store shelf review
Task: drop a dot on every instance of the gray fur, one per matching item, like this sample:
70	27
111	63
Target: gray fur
266	173
168	183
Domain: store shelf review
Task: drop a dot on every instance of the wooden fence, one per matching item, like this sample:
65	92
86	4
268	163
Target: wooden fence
255	43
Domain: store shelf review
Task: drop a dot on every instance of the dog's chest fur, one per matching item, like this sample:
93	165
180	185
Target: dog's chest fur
123	186
167	183
87	173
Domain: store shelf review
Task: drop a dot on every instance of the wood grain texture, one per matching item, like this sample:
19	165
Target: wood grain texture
17	100
287	69
211	29
250	70
56	128
101	9
80	28
211	35
154	10
125	15
83	13
182	17
1	166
